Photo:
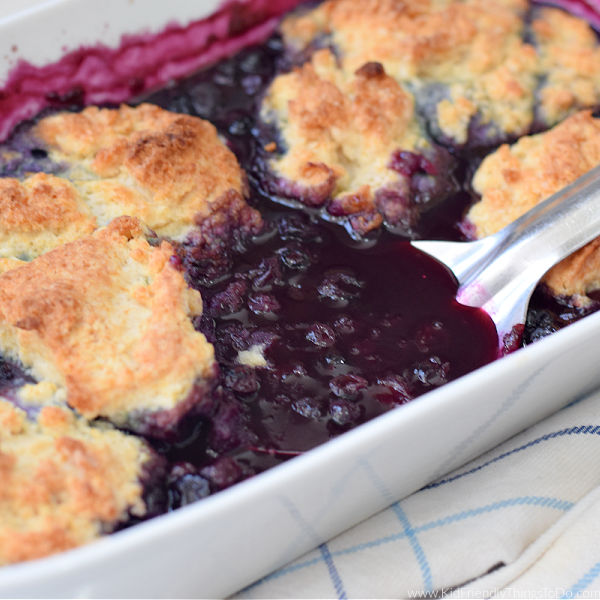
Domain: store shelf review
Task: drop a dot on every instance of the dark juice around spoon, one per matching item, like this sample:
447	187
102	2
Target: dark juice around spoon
347	330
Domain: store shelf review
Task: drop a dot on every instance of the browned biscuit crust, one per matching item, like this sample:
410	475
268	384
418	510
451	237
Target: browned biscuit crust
515	178
480	56
107	321
167	169
569	57
474	48
64	483
340	131
39	214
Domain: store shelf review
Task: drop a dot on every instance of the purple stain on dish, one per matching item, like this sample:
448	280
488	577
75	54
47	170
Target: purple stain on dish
102	75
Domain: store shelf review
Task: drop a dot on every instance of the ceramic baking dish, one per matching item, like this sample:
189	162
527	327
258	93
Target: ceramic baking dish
219	545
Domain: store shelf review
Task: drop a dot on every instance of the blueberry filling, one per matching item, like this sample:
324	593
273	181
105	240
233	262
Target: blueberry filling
314	332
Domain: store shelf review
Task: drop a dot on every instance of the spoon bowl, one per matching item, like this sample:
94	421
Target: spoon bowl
499	273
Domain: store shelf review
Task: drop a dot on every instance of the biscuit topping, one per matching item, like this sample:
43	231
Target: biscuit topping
170	170
477	79
304	333
64	483
515	178
107	320
39	214
344	134
569	55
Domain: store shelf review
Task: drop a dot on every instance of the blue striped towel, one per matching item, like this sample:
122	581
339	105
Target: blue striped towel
522	521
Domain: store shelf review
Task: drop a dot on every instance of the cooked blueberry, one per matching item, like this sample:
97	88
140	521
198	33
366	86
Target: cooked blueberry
408	163
240	126
321	335
343	412
267	274
230	300
400	390
251	84
263	337
333	359
299	227
224	472
261	304
345	325
307	407
205	100
432	371
186	485
294	257
229	426
225	74
242	379
395	207
340	285
207	326
347	386
235	335
255	62
513	339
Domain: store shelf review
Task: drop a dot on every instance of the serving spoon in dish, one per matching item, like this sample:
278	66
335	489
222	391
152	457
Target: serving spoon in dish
499	273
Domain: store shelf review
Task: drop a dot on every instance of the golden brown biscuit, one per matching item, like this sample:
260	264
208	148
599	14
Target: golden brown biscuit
474	48
570	60
515	178
170	170
39	214
107	321
467	61
64	483
341	131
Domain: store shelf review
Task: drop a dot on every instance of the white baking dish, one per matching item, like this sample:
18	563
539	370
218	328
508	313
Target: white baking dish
225	542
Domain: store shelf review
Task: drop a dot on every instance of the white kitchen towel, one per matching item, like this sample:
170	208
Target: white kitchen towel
522	521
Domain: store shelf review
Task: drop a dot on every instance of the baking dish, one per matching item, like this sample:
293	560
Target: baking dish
294	507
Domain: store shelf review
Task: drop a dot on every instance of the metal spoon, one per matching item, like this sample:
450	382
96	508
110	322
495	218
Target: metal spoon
498	273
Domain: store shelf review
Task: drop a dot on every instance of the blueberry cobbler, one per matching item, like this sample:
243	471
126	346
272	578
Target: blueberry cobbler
215	278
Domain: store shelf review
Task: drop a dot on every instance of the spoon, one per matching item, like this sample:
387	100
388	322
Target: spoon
499	273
